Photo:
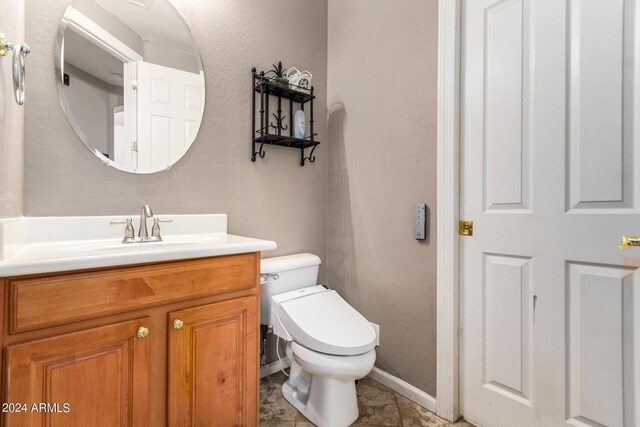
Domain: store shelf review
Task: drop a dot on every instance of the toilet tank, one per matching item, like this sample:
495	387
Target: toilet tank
283	274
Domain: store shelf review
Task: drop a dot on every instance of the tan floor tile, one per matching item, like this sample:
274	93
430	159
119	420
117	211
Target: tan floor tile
414	415
377	404
273	407
278	423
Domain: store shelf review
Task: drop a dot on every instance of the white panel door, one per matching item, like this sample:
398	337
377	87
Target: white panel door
550	307
169	105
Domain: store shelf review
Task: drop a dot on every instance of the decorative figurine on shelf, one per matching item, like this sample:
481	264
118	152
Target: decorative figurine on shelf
299	124
301	79
279	74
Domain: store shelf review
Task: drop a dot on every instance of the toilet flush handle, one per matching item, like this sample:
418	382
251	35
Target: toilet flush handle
265	276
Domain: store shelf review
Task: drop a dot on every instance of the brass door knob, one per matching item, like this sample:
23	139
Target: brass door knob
3	44
143	332
178	324
629	241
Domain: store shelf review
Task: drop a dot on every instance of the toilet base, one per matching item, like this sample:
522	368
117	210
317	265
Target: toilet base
331	402
326	400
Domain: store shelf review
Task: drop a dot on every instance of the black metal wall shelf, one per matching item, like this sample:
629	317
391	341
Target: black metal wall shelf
283	90
265	87
286	141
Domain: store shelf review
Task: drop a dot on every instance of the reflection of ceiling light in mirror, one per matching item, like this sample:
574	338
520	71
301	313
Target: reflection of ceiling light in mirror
145	4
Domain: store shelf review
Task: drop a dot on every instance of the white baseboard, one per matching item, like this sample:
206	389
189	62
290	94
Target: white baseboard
273	367
404	388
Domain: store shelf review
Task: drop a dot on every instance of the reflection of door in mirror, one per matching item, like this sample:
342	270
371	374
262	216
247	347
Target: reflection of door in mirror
170	103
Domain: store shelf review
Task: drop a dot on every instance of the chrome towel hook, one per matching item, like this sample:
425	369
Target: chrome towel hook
20	52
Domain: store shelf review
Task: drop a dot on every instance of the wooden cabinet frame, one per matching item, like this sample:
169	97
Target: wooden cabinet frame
40	324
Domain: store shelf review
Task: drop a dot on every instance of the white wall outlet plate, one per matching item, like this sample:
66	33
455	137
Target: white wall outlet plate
420	221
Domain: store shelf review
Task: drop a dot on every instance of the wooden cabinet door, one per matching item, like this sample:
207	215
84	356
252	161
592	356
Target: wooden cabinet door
213	365
102	374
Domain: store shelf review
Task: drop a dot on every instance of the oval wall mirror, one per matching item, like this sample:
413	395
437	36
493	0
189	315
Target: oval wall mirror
131	81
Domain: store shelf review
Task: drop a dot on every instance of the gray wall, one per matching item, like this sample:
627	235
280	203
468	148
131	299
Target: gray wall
273	198
171	57
377	158
382	58
11	115
92	102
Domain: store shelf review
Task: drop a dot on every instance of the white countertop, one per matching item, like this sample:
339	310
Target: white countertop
53	244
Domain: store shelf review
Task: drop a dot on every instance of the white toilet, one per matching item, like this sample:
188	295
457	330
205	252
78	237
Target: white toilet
329	344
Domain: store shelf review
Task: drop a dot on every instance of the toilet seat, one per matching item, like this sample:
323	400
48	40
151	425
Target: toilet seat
326	323
329	365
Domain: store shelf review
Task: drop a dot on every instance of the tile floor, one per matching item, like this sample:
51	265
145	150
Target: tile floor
379	406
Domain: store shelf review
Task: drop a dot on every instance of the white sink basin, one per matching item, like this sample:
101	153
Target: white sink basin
104	247
47	244
172	242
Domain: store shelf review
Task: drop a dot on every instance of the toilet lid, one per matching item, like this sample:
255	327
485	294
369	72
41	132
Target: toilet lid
326	323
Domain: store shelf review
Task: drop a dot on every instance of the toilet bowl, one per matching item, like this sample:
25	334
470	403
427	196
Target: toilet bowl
329	344
327	365
323	387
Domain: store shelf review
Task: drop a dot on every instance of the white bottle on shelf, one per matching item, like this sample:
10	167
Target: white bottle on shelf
299	120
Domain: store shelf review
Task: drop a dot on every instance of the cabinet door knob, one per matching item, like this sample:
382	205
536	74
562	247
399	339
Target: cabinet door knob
143	332
178	324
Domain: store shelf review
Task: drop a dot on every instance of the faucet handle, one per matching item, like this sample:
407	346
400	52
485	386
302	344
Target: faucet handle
129	232
155	230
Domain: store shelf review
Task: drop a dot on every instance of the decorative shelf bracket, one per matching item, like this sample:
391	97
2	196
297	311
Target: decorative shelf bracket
260	152
311	157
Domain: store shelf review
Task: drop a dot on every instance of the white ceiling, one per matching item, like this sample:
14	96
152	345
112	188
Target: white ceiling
160	23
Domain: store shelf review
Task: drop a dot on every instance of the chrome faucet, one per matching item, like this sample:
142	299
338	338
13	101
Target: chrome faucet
143	234
145	213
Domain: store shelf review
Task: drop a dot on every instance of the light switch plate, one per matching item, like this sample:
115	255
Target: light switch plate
420	221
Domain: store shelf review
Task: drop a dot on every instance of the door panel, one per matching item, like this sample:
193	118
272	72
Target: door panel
602	336
506	178
101	373
213	365
169	103
549	305
497	275
595	73
507	310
